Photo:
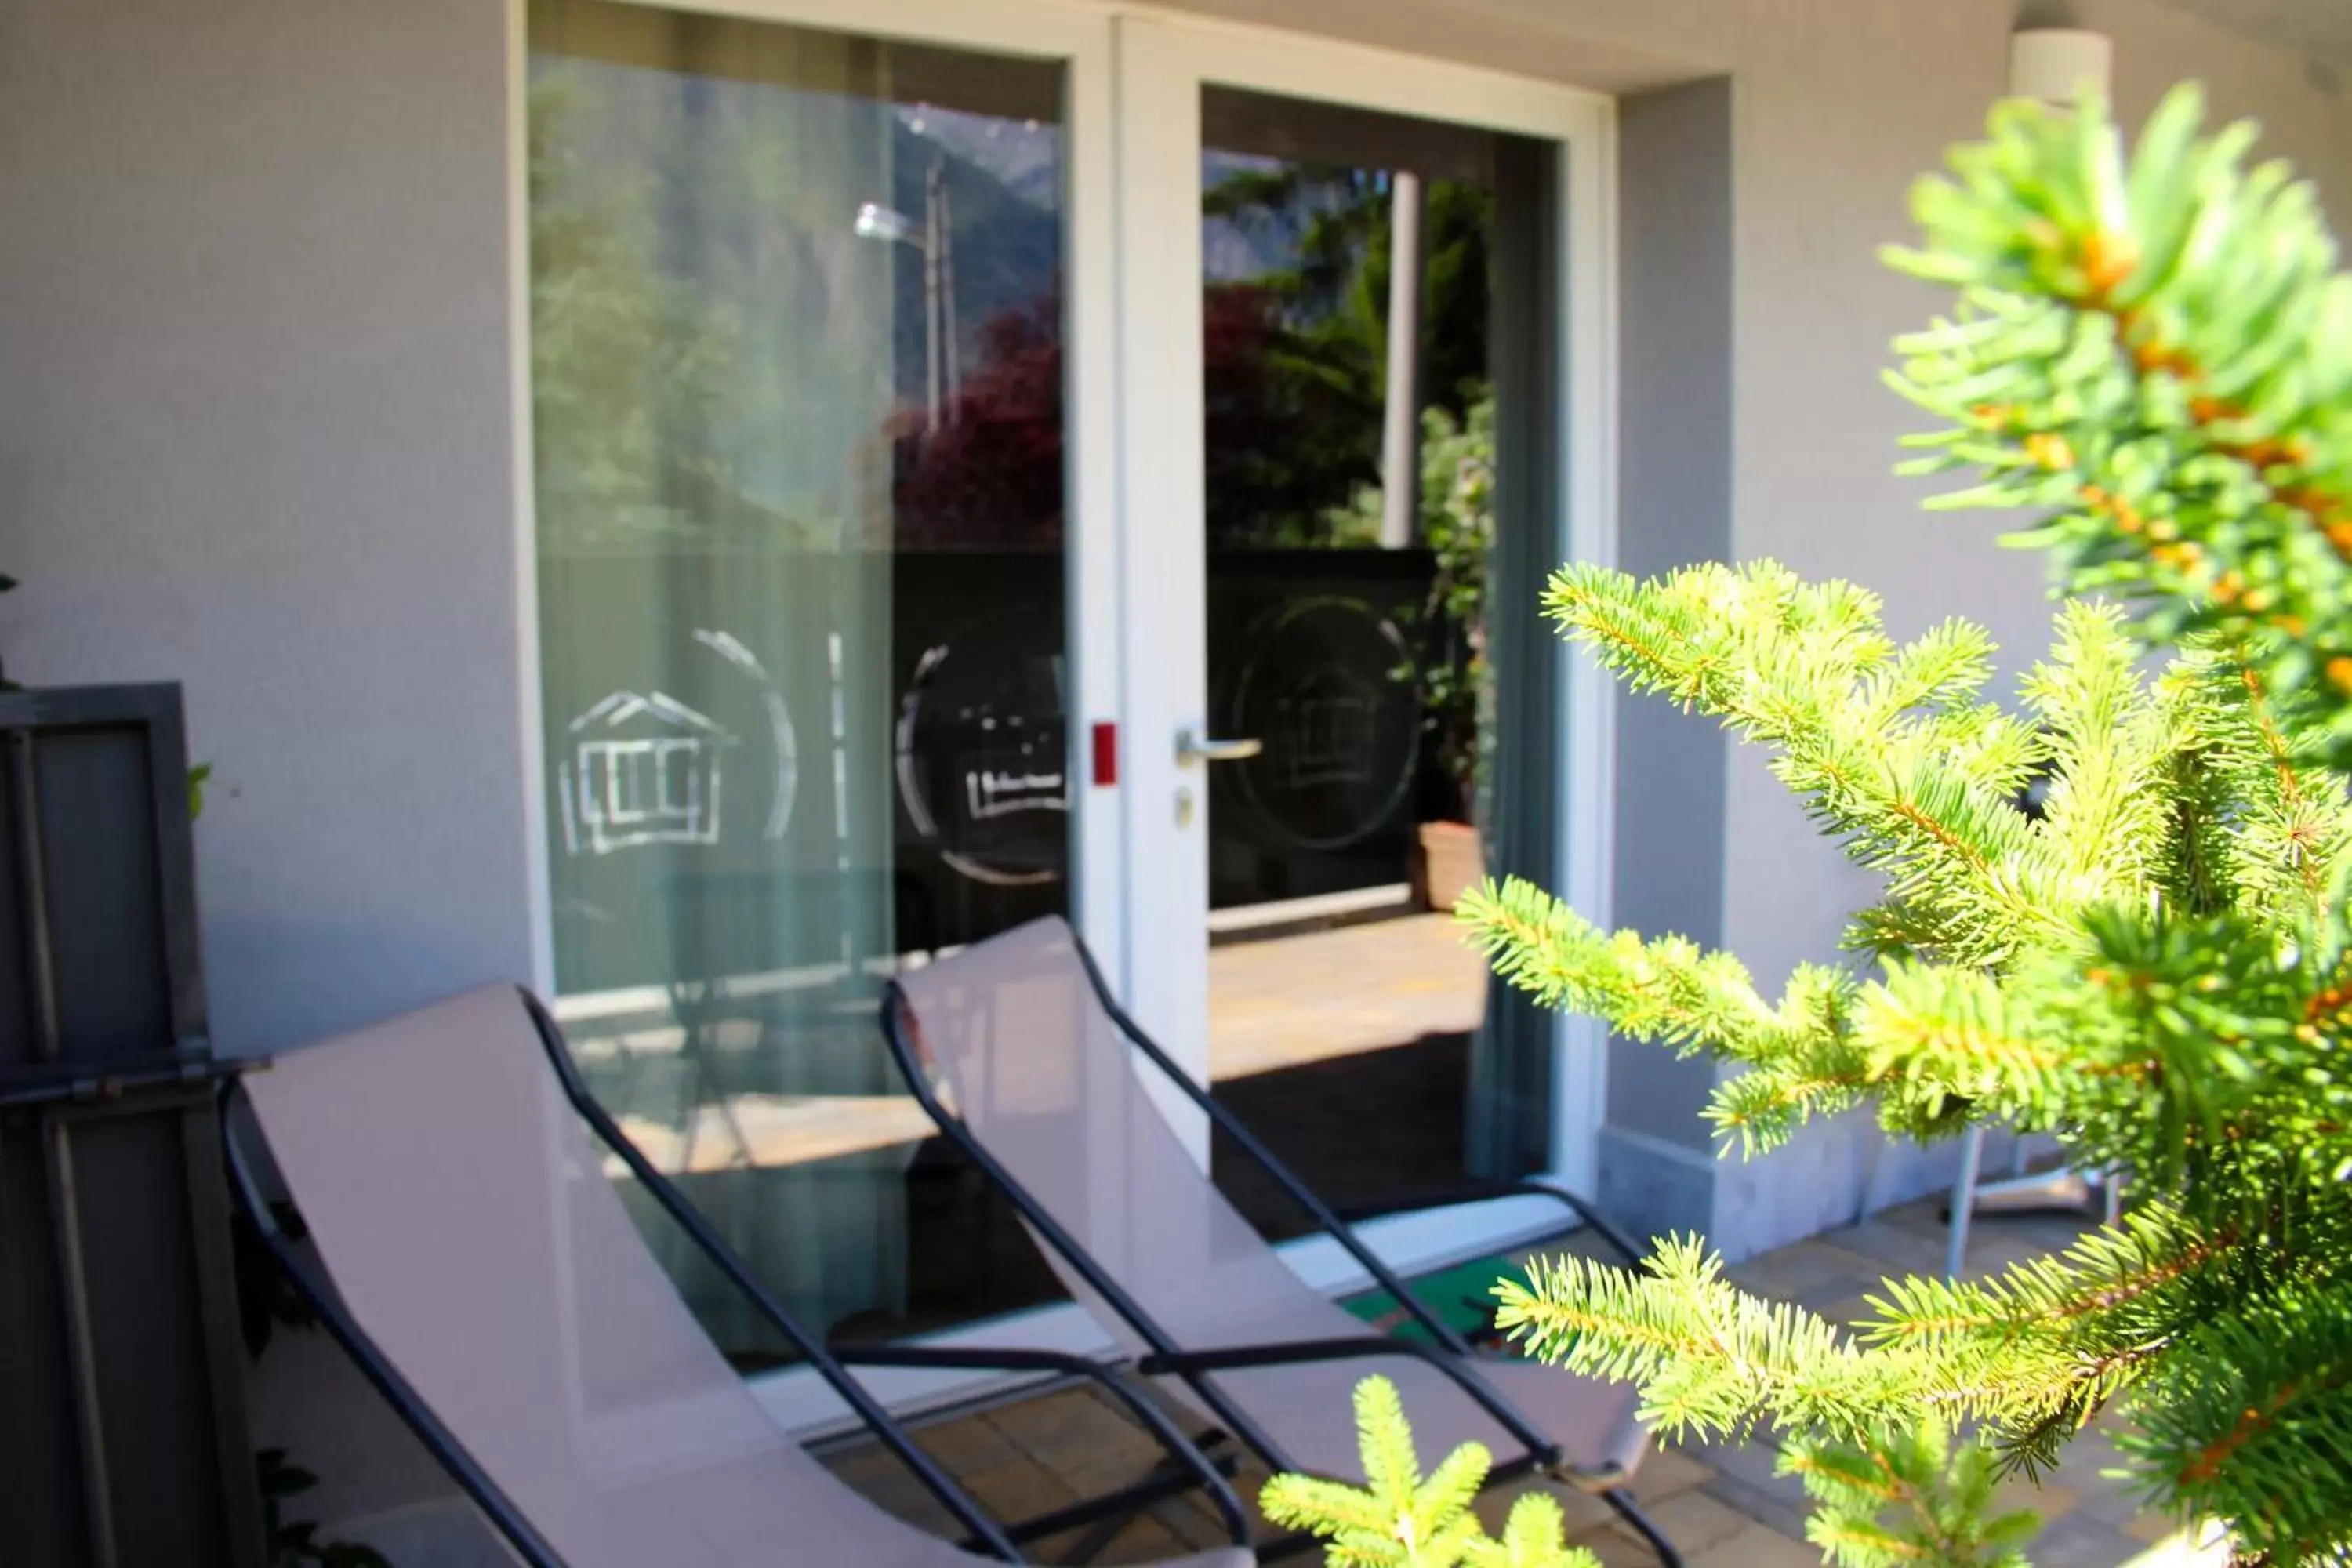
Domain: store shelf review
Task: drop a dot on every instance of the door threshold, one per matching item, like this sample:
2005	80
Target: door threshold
1291	917
1410	1244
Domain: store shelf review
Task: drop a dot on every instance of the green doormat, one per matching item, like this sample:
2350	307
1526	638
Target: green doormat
1459	1297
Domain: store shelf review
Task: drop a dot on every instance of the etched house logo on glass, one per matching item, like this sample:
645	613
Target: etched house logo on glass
1008	773
643	770
1323	730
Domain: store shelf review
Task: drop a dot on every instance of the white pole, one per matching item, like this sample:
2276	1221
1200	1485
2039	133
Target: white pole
1401	410
933	343
954	350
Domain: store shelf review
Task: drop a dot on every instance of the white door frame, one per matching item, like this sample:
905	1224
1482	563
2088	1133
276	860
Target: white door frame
1136	568
1163	61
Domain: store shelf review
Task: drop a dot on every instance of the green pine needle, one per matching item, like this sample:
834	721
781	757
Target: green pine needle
2153	355
1397	1520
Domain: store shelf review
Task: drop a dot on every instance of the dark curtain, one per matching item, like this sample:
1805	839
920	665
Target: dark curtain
1509	1112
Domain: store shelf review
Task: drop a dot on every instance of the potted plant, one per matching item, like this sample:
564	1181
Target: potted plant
1456	680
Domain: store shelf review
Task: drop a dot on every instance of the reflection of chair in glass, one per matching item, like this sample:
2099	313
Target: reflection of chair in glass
1049	1100
779	1113
481	1270
1324	732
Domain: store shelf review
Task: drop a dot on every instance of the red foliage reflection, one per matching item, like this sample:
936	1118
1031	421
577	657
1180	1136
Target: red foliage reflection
992	476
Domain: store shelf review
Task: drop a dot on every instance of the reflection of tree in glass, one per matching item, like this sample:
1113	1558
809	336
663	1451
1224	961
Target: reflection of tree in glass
1298	349
705	351
627	365
1457	522
1294	359
992	476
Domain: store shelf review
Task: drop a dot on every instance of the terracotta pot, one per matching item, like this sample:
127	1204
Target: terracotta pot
1448	860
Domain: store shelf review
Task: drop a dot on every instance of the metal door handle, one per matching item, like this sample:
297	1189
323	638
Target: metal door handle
1192	748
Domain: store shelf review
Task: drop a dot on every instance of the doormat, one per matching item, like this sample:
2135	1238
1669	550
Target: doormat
1461	1298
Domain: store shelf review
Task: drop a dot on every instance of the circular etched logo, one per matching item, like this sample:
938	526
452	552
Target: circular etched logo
983	752
1325	685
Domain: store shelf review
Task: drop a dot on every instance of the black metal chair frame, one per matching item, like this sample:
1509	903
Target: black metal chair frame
1166	1357
1187	1468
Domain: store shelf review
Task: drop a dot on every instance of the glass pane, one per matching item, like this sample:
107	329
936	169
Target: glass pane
796	360
1351	293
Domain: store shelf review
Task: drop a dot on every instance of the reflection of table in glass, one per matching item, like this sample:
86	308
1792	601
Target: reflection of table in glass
766	1132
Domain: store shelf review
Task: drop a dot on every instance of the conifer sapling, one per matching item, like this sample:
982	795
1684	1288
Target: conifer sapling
2155	357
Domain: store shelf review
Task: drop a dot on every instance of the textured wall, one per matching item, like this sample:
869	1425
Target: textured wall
1676	488
256	437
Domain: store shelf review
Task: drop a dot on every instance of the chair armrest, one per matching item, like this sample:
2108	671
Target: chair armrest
1145	1413
1477	1192
1355	1347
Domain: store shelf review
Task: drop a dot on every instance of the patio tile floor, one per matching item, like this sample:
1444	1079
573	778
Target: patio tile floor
1721	1504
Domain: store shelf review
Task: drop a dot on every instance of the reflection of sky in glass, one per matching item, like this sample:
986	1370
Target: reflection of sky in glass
1023	155
1005	193
744	196
1268	241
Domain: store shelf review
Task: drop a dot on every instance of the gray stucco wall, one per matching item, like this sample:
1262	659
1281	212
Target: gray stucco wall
256	433
255	436
1675	486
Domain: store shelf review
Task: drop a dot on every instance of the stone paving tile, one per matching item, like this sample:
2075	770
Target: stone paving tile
1665	1472
2150	1528
968	1446
1580	1511
2048	1499
1893	1248
1073	1429
1721	1503
1759	1547
890	1486
1275	1005
1017	1491
1140	1540
1772	1509
1795	1272
1614	1550
1693	1521
2081	1541
1188	1518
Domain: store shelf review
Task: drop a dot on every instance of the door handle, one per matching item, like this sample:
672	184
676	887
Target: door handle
1192	748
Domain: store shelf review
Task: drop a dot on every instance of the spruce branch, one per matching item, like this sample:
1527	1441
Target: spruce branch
2156	356
1802	1058
1892	749
1912	1497
1397	1520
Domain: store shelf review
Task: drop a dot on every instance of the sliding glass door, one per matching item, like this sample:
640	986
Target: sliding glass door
799	312
1379	325
958	429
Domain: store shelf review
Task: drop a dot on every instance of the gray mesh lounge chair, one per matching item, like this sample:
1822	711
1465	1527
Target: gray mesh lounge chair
482	1272
1048	1100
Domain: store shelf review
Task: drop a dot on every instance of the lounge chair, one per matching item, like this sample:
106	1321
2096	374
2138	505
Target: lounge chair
482	1272
1051	1102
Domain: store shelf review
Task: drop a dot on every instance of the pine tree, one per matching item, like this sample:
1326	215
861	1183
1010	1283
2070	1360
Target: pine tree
1400	1520
2154	356
1918	1500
